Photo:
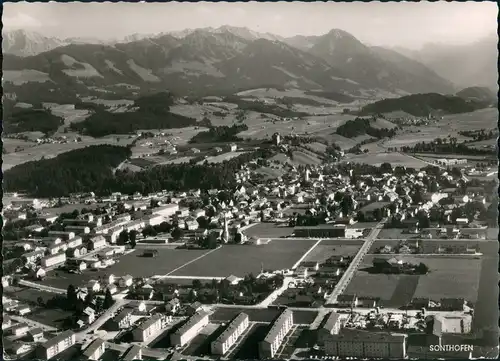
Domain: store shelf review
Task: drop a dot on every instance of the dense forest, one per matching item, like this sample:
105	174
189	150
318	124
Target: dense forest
219	134
439	147
362	126
422	105
153	112
31	120
91	169
80	170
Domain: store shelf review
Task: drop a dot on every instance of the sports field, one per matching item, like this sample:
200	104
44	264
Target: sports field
240	260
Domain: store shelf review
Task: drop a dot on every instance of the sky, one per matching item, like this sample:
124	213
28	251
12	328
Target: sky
410	25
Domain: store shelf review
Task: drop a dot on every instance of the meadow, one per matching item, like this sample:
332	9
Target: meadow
240	260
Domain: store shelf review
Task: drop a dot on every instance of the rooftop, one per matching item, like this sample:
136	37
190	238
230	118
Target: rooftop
277	325
231	328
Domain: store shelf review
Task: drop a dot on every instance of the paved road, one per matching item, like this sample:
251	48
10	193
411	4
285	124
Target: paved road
349	273
145	351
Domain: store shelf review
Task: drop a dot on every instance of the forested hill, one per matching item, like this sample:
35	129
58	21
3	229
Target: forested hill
151	112
79	170
424	104
91	169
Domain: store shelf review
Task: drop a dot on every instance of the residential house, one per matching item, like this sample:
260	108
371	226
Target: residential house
95	350
126	281
6	322
121	321
36	334
88	316
347	300
194	308
20	329
173	305
22	309
94	286
32	257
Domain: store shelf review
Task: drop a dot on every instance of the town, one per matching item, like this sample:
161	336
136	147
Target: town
271	269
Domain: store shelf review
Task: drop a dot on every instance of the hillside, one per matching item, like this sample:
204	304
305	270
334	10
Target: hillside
210	62
481	94
423	105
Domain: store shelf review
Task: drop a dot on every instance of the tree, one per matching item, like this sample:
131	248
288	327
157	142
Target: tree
422	268
177	233
108	299
40	302
192	295
123	238
71	296
89	298
197	284
132	238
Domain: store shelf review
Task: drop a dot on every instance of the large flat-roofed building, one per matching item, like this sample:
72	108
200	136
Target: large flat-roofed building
190	329
364	344
279	329
56	345
166	210
329	326
148	328
230	335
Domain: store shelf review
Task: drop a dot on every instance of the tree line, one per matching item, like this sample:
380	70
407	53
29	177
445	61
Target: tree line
92	169
362	126
220	134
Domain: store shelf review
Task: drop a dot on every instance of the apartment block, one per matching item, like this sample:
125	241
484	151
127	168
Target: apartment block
272	342
56	345
230	335
190	329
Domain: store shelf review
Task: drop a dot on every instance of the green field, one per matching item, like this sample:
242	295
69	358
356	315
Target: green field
240	260
394	159
453	277
323	251
132	264
268	230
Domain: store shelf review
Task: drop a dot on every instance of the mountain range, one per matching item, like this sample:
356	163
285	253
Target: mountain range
208	60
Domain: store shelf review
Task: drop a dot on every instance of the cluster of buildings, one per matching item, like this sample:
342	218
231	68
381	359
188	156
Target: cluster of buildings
450	162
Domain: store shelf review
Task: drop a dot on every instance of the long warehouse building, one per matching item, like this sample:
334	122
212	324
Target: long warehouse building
272	342
231	334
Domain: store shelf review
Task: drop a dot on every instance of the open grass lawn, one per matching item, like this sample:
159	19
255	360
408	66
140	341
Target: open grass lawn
364	284
393	233
27	295
324	251
133	264
241	260
449	277
50	317
394	159
268	230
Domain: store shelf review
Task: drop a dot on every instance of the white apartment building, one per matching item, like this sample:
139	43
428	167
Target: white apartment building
230	335
53	260
56	345
74	242
62	234
363	344
330	326
190	329
95	350
148	328
273	340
